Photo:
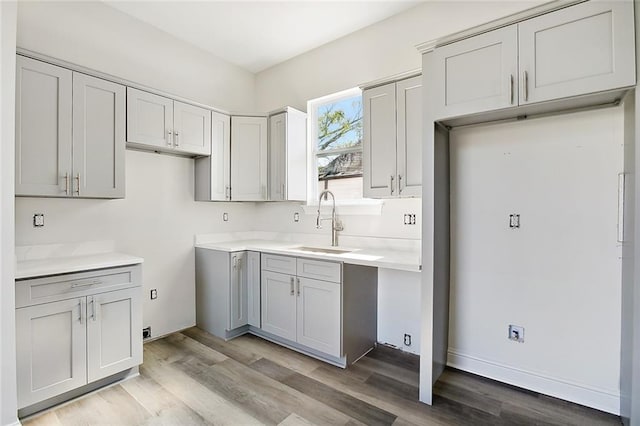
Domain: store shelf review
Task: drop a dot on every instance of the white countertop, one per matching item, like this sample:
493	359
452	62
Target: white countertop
405	260
62	265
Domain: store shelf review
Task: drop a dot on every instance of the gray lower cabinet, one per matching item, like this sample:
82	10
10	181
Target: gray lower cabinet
75	329
70	133
227	291
326	309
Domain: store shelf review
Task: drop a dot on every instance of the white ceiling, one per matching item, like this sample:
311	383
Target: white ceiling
256	35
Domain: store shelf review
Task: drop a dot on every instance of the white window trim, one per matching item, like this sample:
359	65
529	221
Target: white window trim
363	206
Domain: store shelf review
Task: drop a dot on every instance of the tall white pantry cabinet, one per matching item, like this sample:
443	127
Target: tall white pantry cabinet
70	133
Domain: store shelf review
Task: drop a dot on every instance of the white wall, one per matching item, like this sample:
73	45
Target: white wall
378	51
8	402
158	218
559	275
94	35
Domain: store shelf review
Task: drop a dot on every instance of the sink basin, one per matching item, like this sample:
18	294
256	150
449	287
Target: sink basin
322	250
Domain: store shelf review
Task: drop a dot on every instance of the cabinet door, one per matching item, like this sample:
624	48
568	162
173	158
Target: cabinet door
379	149
253	288
409	135
318	311
238	291
248	158
278	304
114	332
43	129
277	157
51	349
98	137
149	119
477	74
220	157
581	49
191	129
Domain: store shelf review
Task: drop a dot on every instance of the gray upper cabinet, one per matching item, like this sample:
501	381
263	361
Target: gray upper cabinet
379	142
249	159
43	128
213	173
392	150
159	123
98	137
288	156
70	133
477	74
582	49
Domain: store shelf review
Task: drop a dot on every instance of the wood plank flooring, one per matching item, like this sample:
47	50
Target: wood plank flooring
193	378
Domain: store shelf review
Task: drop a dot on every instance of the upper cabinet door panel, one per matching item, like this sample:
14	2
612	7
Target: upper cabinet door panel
277	156
220	156
248	158
409	94
477	74
98	137
192	129
149	119
43	128
581	49
379	149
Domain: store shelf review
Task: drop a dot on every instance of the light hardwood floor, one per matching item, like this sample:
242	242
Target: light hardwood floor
193	378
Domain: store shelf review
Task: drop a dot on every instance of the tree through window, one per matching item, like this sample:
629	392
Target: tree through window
337	144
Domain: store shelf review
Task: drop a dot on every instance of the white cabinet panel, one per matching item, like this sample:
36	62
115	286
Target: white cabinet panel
277	156
288	156
249	158
213	173
253	290
278	304
379	149
191	129
477	74
51	349
318	315
580	49
114	325
98	137
43	128
409	136
149	119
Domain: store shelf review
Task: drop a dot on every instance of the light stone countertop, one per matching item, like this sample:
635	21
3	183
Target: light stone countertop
62	265
405	260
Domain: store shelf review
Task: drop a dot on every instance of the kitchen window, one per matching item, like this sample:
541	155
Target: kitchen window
335	132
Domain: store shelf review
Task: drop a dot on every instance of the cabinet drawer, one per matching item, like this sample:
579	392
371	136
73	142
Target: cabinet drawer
59	287
276	263
320	270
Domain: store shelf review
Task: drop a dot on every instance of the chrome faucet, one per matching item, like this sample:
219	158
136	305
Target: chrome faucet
336	225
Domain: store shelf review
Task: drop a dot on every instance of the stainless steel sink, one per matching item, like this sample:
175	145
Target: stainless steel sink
322	250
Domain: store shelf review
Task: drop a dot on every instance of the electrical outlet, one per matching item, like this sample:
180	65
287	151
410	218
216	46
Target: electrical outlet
296	217
407	339
514	221
516	333
38	220
409	219
146	332
225	217
154	293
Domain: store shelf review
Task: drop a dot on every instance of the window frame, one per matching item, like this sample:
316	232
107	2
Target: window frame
312	133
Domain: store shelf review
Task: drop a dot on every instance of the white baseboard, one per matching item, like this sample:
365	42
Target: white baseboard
599	399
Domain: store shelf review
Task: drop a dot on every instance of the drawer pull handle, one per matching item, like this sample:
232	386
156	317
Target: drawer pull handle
292	290
94	282
298	282
80	310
